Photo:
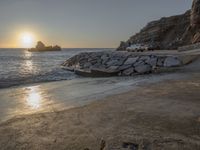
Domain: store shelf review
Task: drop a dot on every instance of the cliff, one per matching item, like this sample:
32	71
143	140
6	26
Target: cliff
168	32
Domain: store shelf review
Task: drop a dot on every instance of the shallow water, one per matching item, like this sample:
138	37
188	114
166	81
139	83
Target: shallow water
57	96
18	66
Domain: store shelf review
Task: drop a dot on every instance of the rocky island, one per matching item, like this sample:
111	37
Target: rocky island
40	47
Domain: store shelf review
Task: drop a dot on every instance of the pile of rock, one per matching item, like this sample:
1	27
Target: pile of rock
118	63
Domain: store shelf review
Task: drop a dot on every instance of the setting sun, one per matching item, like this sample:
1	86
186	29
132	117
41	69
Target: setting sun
27	40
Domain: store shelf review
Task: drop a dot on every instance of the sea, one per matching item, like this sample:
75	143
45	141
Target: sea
18	66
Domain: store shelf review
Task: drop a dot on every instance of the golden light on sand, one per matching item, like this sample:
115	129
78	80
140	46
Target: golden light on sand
27	39
34	97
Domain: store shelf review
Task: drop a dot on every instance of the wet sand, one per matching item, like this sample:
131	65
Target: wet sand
158	113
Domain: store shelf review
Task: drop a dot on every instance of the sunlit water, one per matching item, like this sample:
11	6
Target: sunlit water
18	66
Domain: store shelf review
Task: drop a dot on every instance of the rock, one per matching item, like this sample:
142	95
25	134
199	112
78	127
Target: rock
145	58
152	61
195	14
168	32
128	71
139	63
87	65
134	64
97	72
160	61
113	68
143	68
114	62
105	58
123	67
172	62
131	60
40	45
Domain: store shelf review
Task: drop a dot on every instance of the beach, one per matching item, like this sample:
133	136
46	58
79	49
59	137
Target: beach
160	111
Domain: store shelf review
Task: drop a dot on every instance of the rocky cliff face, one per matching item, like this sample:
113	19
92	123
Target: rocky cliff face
169	32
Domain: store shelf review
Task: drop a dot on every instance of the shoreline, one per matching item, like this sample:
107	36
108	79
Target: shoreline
149	112
162	115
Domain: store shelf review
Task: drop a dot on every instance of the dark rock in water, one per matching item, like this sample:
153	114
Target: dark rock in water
40	47
168	32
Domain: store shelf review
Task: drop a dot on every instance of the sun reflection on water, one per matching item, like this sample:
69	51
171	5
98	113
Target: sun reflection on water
34	97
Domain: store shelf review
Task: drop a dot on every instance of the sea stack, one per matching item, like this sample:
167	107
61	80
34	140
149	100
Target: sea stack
40	47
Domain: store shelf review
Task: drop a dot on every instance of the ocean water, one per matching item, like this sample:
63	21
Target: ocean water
18	66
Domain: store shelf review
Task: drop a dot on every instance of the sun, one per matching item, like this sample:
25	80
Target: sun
27	40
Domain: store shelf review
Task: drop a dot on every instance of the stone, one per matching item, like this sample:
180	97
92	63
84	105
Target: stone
195	14
131	60
123	67
172	62
160	61
87	65
40	45
114	62
152	61
128	71
139	63
143	68
168	32
113	68
145	58
105	59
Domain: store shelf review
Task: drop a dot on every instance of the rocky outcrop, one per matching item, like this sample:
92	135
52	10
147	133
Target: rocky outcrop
101	64
168	32
40	47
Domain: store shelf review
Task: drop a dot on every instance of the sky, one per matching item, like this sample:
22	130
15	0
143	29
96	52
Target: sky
80	23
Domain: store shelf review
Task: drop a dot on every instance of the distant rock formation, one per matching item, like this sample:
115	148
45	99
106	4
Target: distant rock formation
40	47
168	32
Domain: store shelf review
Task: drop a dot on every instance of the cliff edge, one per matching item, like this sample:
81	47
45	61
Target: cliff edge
168	32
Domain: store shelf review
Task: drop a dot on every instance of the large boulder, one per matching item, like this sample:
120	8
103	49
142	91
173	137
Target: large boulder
172	62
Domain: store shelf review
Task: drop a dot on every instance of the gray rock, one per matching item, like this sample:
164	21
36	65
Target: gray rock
123	67
128	71
114	62
172	62
131	60
160	61
145	58
104	59
152	61
145	68
87	65
139	63
113	68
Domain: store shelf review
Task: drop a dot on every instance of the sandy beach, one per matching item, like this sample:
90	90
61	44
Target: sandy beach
159	112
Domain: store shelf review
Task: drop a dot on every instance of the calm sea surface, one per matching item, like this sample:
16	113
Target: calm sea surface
18	66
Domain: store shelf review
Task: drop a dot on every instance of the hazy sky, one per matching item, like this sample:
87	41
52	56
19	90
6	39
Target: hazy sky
81	23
